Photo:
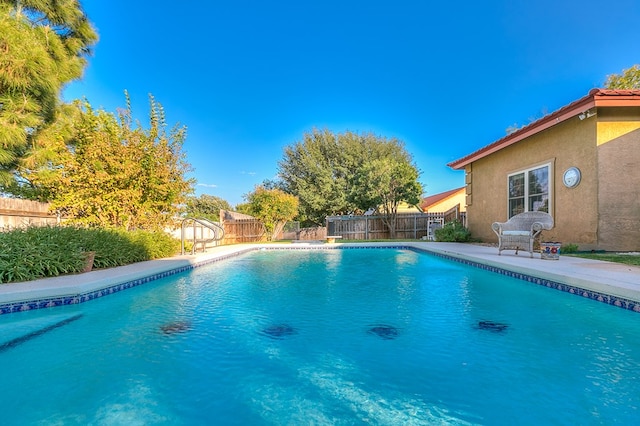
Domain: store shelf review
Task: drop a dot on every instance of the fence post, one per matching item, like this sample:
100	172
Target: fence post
366	227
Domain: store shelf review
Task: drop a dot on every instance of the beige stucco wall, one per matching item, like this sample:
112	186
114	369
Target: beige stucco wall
575	211
619	178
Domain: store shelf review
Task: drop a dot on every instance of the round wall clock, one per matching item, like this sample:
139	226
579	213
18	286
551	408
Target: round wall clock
571	177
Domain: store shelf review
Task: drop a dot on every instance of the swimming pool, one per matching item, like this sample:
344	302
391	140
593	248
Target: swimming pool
384	336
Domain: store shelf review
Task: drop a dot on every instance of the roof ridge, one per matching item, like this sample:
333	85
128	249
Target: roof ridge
432	199
614	92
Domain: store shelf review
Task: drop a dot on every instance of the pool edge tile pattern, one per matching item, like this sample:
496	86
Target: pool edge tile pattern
49	302
617	301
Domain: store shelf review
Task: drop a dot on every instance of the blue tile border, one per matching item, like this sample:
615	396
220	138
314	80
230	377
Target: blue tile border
617	301
22	306
336	247
52	302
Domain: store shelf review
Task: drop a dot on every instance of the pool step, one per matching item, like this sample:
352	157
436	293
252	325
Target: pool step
15	333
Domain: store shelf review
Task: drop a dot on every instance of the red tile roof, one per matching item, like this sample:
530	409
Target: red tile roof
433	199
595	98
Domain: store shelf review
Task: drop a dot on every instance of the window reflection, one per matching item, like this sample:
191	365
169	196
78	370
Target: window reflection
529	190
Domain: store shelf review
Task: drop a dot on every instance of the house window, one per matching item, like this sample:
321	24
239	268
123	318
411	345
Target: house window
529	190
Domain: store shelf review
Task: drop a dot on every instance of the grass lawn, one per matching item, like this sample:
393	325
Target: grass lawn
627	259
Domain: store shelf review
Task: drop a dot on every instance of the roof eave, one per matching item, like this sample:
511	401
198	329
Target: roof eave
540	125
595	98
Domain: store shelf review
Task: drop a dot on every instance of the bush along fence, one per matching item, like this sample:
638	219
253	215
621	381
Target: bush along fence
408	225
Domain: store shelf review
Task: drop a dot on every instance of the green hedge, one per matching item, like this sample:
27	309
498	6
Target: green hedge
39	252
453	232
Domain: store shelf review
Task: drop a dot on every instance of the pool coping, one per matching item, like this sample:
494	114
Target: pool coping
606	282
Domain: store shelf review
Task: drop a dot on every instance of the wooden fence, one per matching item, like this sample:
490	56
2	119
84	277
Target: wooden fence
238	228
454	214
17	213
292	231
243	231
408	225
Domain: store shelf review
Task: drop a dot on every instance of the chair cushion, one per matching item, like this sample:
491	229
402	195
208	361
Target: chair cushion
516	233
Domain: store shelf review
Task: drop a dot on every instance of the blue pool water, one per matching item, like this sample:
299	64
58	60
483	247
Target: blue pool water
324	337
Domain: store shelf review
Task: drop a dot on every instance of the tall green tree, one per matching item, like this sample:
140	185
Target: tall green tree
207	206
273	207
105	170
43	45
385	183
317	170
628	79
325	171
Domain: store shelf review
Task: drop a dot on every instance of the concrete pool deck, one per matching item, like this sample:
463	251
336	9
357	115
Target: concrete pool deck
597	277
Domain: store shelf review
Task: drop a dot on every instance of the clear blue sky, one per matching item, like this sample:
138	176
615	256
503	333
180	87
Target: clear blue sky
249	77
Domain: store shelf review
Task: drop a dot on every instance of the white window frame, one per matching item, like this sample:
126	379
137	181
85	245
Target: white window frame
526	196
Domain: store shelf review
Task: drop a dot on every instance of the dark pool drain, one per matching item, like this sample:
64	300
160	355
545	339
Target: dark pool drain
279	331
175	327
383	331
495	327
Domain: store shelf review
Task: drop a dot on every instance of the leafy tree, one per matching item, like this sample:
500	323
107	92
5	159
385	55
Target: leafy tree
628	79
207	206
43	46
317	170
273	207
273	184
385	183
327	172
52	149
102	170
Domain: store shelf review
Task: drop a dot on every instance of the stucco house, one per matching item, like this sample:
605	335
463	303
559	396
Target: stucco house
580	163
444	201
408	208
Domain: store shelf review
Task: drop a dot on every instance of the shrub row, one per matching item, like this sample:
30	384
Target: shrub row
453	232
40	252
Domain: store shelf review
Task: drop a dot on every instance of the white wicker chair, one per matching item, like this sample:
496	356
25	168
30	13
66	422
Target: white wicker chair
520	232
